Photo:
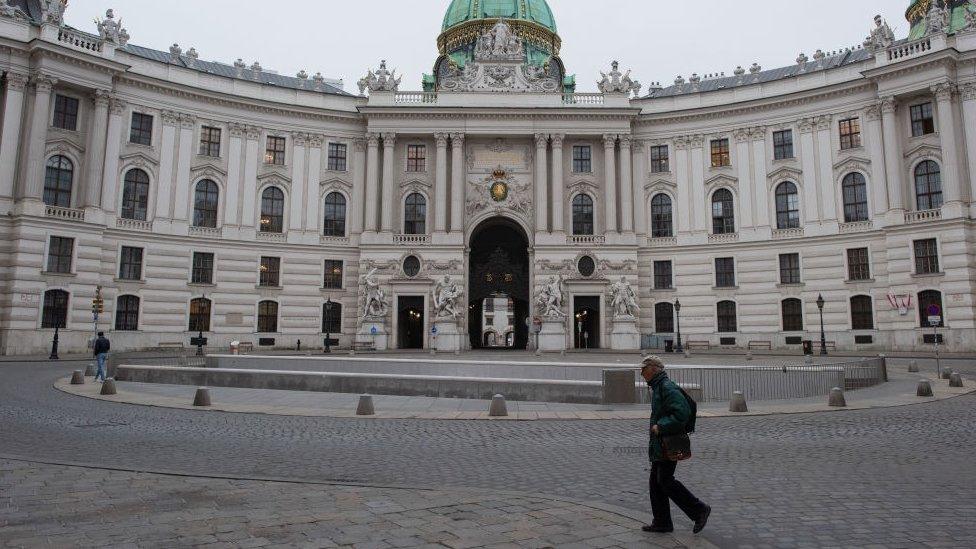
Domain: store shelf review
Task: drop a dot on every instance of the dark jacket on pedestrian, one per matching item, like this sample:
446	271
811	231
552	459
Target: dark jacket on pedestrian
102	345
669	411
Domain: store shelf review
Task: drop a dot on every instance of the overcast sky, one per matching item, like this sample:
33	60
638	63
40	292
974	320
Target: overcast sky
658	40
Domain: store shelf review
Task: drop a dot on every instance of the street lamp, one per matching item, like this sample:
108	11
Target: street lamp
54	344
677	309
823	336
328	325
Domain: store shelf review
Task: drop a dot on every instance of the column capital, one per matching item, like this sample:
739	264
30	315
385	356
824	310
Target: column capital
188	121
806	125
389	139
237	130
541	140
873	113
315	140
888	105
681	142
440	139
609	140
968	91
17	81
117	106
638	144
457	140
696	141
372	139
758	133
557	140
299	138
944	91
101	98
253	133
742	135
823	122
359	144
626	141
43	82
169	118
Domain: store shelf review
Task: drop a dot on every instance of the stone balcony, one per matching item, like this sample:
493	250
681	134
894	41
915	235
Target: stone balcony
856	227
133	225
271	237
489	99
205	232
585	239
723	238
411	239
67	214
783	234
922	216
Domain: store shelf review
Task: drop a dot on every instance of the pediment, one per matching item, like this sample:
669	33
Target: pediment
721	179
274	177
923	150
659	184
139	159
583	185
851	163
63	145
335	182
415	184
785	172
209	170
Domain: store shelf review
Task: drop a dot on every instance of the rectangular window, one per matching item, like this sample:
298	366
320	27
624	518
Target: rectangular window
923	122
203	268
850	133
662	275
337	157
141	130
270	272
333	275
130	263
926	256
274	153
789	268
65	112
725	272
332	318
416	158
727	322
858	266
210	141
582	159
660	163
783	145
59	254
720	153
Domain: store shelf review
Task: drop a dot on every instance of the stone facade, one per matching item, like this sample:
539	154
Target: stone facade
493	142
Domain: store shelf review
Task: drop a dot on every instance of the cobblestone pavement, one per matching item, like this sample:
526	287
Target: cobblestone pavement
897	477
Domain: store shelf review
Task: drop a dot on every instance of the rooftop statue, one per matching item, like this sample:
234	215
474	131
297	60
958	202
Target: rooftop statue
939	19
500	43
617	82
499	65
380	80
881	36
53	11
111	30
9	10
970	15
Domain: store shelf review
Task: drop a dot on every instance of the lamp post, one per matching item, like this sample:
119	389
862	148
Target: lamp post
823	336
677	310
328	324
54	344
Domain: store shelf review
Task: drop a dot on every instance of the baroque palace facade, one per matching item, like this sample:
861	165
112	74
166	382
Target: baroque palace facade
196	196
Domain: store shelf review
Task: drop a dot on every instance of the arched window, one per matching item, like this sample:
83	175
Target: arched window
723	212
205	201
862	314
55	312
928	185
855	198
332	318
335	215
267	317
127	313
200	315
726	317
664	318
582	215
272	210
661	217
792	315
787	206
135	195
57	182
925	300
415	214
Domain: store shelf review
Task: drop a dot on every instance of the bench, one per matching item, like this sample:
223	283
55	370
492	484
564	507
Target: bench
170	345
698	345
760	345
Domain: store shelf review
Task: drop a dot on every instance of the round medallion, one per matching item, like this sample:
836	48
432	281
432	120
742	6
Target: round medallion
499	191
586	266
411	266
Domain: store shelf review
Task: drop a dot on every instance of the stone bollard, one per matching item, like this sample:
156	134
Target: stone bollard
837	399
108	388
946	373
202	398
90	370
77	377
924	388
498	408
913	367
738	404
955	380
365	407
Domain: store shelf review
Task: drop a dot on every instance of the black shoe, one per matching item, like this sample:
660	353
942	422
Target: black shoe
658	529
702	519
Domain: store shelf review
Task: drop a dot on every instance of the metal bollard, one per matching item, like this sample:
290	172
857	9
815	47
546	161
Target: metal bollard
108	388
738	404
365	407
202	398
955	380
77	378
913	367
837	399
924	389
498	407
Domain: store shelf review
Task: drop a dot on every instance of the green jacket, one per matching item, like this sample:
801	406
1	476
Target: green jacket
669	411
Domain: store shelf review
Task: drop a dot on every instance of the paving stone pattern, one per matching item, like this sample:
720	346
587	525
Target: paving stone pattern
893	477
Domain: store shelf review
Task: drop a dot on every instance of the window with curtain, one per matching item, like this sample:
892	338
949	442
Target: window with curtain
58	176
200	315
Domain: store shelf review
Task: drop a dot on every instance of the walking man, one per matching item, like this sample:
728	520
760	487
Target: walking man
101	349
670	415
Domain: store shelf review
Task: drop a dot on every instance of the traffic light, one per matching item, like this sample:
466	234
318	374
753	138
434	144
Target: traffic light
98	305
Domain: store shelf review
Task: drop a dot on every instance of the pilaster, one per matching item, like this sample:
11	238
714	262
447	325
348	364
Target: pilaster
299	192
95	155
948	134
610	182
13	112
185	155
40	116
440	183
113	145
372	181
893	160
389	196
626	185
558	186
541	183
167	155
358	186
313	174
875	138
457	182
967	93
252	159
235	183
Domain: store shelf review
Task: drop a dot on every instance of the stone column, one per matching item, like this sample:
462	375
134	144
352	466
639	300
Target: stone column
313	171
760	195
968	94
167	154
951	184
541	183
457	182
235	186
558	185
358	186
372	180
96	149
640	156
113	144
892	153
610	178
389	196
747	210
185	155
13	113
808	152
440	184
40	120
700	211
298	194
879	194
252	159
825	181
626	186
683	220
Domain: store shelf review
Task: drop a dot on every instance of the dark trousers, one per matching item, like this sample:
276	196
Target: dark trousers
665	489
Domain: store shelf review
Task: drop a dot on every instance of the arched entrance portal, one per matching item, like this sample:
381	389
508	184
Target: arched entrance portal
498	286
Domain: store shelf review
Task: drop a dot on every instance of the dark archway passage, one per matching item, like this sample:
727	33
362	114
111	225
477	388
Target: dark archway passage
499	268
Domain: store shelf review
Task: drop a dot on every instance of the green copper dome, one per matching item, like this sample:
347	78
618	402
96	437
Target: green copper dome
536	11
919	9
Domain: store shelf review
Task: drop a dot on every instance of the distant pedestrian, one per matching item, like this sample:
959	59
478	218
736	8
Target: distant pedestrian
101	349
671	416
